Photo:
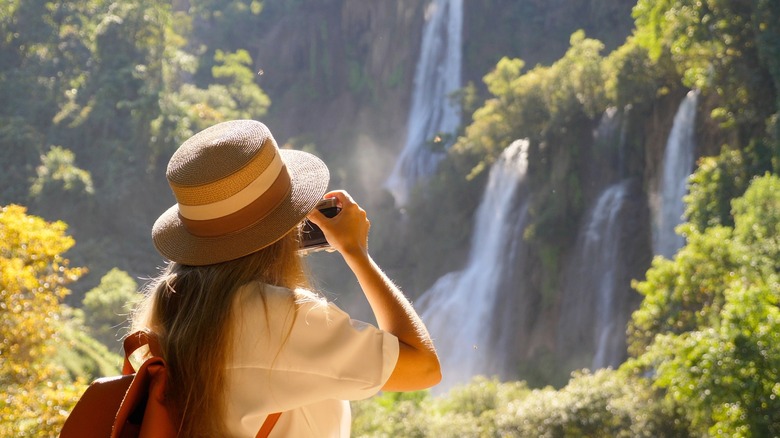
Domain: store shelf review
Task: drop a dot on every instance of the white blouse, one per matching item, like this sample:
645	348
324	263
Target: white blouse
305	364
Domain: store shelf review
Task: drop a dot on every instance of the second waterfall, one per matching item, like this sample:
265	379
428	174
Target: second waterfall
433	113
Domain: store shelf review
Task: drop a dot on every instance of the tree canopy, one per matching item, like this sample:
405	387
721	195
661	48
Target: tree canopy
97	94
34	276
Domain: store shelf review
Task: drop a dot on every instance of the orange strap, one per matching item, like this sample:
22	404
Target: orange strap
137	340
268	425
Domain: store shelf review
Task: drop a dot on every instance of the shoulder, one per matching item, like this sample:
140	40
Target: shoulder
257	294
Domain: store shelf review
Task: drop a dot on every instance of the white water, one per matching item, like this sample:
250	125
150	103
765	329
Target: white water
677	167
595	301
460	308
432	112
602	249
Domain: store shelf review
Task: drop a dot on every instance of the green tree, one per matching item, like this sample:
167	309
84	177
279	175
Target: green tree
713	185
114	108
235	73
42	54
186	108
709	326
33	278
58	172
606	403
730	48
633	77
468	411
233	95
107	305
60	188
537	104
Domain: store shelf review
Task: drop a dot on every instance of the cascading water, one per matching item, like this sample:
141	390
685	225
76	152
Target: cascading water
460	308
596	299
602	246
677	167
432	112
594	313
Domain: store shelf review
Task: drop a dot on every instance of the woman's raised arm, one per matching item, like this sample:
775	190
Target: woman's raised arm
418	364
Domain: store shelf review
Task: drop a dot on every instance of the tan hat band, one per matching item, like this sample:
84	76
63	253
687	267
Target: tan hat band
228	186
244	217
236	202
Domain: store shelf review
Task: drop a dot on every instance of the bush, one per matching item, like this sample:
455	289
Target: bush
607	403
106	306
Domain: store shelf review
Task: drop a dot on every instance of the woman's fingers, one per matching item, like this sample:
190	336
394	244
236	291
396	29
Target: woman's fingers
348	230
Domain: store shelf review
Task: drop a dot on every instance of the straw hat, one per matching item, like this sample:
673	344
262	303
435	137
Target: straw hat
236	193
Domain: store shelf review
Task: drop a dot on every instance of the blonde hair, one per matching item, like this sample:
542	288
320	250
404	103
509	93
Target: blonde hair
190	310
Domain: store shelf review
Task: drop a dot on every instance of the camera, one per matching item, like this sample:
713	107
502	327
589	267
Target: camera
312	238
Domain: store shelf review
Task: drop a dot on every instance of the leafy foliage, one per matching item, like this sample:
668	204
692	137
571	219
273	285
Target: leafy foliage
534	104
84	357
58	173
33	280
234	70
709	325
469	411
607	403
108	304
634	78
729	47
97	94
713	185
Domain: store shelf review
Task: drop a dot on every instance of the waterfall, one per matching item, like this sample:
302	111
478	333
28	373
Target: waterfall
602	248
597	299
677	167
432	113
460	308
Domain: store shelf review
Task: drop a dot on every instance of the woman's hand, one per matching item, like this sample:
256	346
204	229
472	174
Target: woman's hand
347	232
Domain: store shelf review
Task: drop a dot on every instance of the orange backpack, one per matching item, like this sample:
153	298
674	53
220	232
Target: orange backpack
133	404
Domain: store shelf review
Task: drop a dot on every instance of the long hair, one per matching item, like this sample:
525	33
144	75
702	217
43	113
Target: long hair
190	310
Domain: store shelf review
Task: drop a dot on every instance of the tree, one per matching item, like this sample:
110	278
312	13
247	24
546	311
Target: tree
234	69
107	305
709	327
42	55
33	280
727	47
713	185
60	188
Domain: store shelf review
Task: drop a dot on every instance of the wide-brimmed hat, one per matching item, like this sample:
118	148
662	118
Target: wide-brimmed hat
236	193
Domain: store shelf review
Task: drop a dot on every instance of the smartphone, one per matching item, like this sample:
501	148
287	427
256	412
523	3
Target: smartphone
312	238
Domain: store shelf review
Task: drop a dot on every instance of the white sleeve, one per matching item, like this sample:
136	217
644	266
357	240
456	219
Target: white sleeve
304	353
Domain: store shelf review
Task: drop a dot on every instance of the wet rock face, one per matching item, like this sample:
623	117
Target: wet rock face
351	61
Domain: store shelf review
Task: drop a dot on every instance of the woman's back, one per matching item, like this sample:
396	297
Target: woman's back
296	353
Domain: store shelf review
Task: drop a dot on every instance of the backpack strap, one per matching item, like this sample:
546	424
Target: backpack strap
268	425
140	347
143	411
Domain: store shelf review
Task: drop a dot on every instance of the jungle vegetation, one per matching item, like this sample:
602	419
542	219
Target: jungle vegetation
96	95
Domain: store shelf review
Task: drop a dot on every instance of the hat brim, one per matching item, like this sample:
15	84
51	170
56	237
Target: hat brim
309	177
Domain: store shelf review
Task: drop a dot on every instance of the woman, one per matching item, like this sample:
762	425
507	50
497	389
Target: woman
242	334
